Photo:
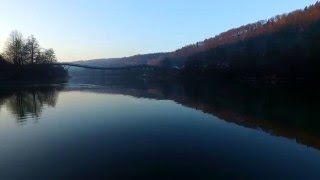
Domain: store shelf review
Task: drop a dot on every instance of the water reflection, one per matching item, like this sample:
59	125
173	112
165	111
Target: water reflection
29	101
291	113
286	111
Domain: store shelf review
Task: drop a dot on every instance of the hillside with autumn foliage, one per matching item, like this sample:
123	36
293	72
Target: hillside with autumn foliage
285	44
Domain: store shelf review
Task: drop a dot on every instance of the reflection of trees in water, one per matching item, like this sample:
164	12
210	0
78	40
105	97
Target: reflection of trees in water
290	111
282	111
29	102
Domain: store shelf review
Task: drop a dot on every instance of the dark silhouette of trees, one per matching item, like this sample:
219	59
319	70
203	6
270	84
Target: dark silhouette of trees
32	49
2	60
49	56
14	50
19	51
25	59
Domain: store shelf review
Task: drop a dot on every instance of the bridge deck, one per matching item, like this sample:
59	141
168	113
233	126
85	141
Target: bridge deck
107	68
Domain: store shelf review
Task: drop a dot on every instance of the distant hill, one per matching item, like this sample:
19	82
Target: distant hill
125	61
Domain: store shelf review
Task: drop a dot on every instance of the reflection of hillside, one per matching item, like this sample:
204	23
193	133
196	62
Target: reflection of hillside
292	115
283	112
29	101
280	112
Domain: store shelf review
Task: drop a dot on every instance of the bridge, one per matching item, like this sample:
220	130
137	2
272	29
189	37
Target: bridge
142	67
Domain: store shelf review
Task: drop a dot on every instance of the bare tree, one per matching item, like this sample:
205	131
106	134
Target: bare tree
38	56
45	56
32	48
14	50
49	56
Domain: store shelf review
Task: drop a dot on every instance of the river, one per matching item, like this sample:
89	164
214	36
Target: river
85	129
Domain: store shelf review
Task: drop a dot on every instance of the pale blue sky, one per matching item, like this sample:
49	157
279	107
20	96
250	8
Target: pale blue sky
89	29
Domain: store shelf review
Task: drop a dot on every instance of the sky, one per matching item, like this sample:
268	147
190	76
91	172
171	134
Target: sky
91	29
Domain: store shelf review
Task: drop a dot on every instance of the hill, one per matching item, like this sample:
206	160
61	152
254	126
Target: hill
125	61
284	45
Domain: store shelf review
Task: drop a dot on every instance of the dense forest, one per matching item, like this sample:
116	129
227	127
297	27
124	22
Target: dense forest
25	59
285	46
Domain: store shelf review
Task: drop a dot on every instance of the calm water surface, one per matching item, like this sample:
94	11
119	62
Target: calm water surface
85	131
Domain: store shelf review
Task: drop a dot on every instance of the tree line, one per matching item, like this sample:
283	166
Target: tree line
24	59
20	51
284	45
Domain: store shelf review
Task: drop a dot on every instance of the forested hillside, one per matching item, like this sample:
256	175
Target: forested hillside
284	45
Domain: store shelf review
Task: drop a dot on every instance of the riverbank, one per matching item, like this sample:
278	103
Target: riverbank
31	72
